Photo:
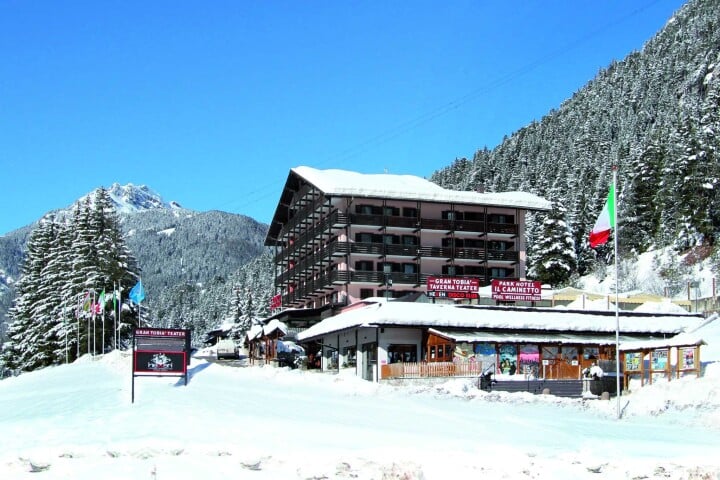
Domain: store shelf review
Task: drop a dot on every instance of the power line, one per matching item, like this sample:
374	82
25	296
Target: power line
437	112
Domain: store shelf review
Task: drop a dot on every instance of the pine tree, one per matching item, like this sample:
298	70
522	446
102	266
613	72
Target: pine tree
554	258
65	263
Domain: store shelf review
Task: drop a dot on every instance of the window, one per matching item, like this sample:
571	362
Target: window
409	268
502	246
367	209
479	271
391	211
500	273
474	216
451	215
409	240
410	212
591	353
452	270
388	267
364	265
391	239
364	237
501	218
449	242
350	356
402	353
366	293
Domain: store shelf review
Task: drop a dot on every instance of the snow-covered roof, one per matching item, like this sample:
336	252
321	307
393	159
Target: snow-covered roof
410	187
274	325
254	332
511	337
499	318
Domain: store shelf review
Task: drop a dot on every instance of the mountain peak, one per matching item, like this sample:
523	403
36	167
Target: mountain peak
132	198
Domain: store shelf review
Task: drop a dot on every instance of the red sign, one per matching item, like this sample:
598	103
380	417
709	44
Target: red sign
454	295
514	290
452	287
275	302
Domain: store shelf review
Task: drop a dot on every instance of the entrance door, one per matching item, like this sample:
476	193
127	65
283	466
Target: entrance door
369	364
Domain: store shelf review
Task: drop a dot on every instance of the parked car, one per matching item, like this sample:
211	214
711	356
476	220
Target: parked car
227	349
290	354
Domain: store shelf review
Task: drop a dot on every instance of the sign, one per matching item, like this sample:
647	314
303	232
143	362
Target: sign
452	287
275	302
453	295
516	290
160	352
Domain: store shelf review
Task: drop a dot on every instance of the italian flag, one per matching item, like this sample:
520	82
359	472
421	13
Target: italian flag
605	222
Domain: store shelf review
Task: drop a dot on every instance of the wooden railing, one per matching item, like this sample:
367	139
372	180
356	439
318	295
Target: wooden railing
431	369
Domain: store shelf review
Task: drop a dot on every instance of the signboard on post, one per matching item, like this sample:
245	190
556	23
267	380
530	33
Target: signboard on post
160	352
452	287
516	290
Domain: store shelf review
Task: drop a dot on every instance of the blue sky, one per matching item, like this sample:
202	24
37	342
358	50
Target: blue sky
211	103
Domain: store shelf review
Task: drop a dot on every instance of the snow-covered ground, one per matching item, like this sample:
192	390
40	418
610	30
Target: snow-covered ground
77	422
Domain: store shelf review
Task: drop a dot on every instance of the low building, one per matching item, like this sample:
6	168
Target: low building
379	339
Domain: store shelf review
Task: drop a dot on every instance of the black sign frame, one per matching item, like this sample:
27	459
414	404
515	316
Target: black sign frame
160	352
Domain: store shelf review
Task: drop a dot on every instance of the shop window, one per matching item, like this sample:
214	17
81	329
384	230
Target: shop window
529	360
591	353
349	356
508	359
402	353
570	354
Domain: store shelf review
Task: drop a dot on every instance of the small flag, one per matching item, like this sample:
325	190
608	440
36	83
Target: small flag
87	302
101	300
605	222
137	294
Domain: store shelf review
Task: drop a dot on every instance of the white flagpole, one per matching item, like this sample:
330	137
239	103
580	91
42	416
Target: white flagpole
65	327
617	283
93	323
89	315
102	319
115	302
77	318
